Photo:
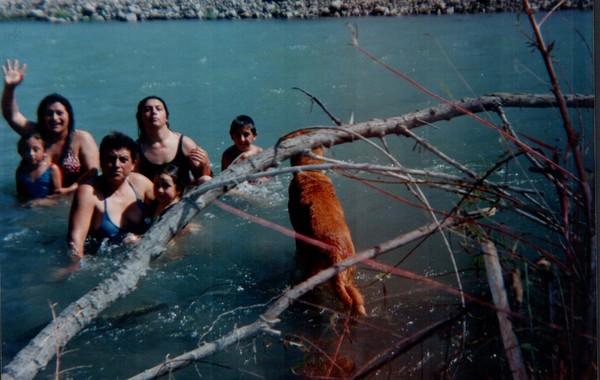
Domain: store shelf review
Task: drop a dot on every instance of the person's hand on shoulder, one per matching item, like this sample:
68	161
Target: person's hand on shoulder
199	159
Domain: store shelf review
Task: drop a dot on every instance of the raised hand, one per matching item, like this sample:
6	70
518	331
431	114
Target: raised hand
13	74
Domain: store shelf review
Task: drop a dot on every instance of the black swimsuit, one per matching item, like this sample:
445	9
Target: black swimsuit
150	169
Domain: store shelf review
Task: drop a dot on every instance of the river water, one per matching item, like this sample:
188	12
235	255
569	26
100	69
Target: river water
224	271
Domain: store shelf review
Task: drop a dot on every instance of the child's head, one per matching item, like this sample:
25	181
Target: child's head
32	148
243	132
169	184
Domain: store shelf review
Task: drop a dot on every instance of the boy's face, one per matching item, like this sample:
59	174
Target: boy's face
243	138
33	151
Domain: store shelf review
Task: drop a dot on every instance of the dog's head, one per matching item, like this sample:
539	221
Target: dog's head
302	159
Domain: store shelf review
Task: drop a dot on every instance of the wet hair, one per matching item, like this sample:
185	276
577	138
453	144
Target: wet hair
43	107
140	111
115	141
23	140
177	174
243	121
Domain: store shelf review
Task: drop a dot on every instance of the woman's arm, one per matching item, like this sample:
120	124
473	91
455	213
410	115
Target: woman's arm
80	219
56	178
89	155
13	76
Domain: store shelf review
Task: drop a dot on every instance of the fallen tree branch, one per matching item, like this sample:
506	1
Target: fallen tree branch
40	350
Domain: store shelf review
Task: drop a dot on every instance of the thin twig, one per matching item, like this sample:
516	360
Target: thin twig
57	370
314	99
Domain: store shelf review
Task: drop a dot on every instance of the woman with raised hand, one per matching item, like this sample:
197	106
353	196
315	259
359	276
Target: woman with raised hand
73	150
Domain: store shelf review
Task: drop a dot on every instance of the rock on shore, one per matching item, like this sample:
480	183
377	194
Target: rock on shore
142	10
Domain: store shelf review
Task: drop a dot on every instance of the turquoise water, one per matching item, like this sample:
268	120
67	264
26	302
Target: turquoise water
209	72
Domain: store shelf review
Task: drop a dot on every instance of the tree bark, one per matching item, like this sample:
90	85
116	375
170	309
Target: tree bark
76	316
509	338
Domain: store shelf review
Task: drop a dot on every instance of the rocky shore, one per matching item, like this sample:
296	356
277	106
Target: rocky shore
145	10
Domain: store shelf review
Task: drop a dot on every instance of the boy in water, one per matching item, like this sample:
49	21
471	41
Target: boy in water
243	133
36	176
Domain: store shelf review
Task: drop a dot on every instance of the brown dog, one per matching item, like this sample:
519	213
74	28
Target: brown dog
316	212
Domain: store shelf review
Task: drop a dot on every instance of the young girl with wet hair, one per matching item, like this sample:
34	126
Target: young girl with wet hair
169	184
36	176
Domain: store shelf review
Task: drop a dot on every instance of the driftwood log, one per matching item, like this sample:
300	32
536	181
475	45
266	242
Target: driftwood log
36	355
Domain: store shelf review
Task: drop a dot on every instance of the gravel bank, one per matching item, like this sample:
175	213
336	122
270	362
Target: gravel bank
143	10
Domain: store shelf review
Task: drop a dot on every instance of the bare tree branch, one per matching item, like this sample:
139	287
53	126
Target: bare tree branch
337	121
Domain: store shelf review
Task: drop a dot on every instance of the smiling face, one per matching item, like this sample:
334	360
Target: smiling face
243	138
117	164
154	114
32	151
165	190
57	118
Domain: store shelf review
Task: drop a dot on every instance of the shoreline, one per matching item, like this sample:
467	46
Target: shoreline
62	11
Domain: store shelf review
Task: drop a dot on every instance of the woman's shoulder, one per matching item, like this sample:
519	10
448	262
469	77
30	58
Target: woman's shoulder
89	190
138	179
142	186
54	168
188	143
81	137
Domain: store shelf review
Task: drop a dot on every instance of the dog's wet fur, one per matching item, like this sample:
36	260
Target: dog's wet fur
315	211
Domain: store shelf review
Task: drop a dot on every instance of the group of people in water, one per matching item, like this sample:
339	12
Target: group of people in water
121	188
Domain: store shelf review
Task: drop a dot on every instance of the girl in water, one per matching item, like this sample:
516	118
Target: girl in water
36	176
169	184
